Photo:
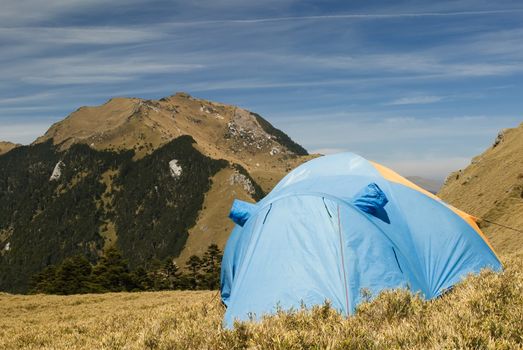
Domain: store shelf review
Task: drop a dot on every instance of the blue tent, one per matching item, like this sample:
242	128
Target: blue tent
338	225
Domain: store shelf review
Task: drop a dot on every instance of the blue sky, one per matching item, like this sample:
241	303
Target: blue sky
419	86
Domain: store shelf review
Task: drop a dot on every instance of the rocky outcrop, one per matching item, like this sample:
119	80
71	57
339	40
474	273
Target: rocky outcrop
239	179
176	170
57	171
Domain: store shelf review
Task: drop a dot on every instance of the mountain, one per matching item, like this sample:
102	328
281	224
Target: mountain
491	188
430	185
220	131
155	178
6	146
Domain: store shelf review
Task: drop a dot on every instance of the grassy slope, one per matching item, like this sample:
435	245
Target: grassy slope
484	312
6	146
491	187
213	224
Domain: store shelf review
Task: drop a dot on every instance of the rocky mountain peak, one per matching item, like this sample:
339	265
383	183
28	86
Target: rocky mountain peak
221	131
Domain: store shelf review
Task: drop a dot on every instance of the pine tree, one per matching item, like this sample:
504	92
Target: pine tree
76	275
112	273
211	266
158	275
174	275
140	280
194	265
44	281
73	276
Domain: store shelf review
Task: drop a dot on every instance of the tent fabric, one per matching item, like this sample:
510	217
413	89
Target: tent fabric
337	226
371	199
241	211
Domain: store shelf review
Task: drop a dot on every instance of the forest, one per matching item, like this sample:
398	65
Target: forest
111	273
44	221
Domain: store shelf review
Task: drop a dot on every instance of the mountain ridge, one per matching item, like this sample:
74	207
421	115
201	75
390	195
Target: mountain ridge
220	130
6	146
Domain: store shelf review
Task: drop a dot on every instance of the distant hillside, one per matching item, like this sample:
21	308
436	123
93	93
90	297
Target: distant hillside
6	146
491	187
432	186
156	179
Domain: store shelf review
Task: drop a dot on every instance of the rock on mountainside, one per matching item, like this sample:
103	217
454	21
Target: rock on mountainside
156	178
491	187
6	146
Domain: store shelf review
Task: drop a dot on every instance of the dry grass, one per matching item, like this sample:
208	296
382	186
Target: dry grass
491	188
484	312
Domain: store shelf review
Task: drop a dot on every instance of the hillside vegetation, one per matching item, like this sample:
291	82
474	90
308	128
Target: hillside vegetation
491	188
483	312
99	199
76	275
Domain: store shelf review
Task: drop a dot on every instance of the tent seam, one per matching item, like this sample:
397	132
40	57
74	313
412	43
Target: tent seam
345	284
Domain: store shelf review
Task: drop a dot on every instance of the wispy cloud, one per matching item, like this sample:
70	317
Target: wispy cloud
327	74
368	16
416	100
94	68
30	11
435	63
40	96
105	35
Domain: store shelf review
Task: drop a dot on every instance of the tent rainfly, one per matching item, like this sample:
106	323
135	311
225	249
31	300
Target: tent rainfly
338	225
